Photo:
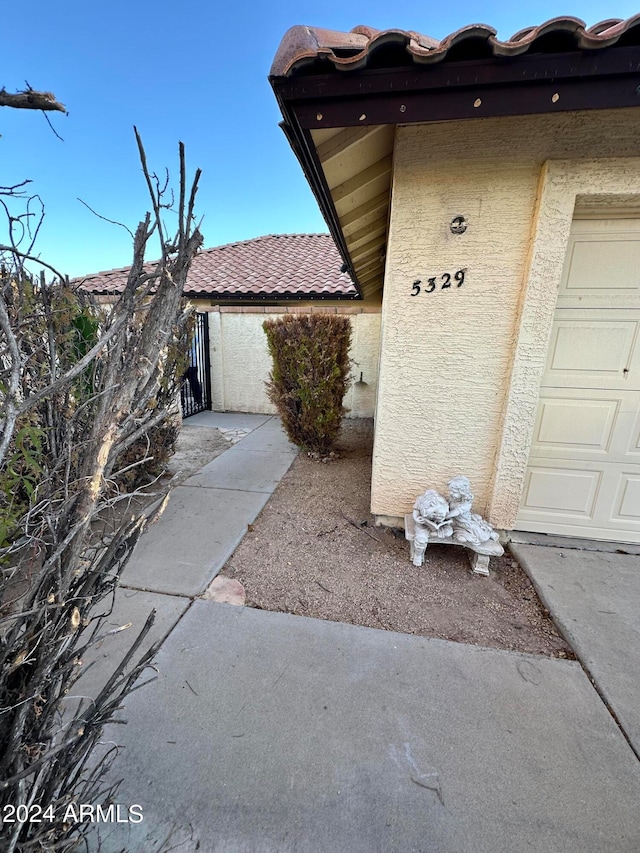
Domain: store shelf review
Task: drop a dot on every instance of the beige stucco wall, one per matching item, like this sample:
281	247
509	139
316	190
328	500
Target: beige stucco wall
447	403
240	360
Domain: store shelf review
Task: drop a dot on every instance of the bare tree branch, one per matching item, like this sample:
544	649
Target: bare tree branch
27	257
31	100
52	128
11	389
13	190
106	219
155	200
80	394
78	368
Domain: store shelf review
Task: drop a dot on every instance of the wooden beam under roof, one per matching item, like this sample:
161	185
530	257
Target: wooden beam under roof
367	248
368	232
322	134
373	280
347	137
374	287
371	268
323	91
362	179
375	276
355	217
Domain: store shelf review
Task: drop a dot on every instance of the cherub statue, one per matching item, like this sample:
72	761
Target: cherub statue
467	526
430	515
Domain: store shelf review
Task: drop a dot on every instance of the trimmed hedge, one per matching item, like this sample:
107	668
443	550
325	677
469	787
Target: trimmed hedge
310	375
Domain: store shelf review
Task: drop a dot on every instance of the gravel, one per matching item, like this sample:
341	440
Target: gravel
314	551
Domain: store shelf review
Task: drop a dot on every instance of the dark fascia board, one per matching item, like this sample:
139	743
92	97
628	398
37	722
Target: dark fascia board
257	297
277	297
525	85
480	101
492	71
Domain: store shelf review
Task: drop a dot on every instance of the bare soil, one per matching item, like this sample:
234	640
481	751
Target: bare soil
314	551
196	446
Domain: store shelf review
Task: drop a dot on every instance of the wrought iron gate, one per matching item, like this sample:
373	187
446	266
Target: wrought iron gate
195	393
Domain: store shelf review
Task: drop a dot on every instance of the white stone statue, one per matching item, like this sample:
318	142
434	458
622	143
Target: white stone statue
430	516
434	519
468	527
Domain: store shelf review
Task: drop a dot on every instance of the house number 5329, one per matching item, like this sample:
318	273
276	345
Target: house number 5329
438	282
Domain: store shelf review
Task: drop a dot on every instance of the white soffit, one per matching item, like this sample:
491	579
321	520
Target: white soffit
356	162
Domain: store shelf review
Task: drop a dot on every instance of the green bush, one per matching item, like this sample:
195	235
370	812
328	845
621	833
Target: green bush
309	376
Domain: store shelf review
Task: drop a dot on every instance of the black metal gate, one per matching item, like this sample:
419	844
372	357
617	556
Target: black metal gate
195	393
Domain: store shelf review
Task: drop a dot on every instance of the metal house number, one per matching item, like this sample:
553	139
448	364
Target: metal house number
438	282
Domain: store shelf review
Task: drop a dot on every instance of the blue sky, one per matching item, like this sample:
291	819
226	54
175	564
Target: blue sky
200	76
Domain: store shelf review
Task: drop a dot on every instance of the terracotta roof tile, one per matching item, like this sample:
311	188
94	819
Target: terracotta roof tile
305	49
273	266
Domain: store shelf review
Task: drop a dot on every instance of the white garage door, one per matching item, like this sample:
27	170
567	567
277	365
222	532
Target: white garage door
583	476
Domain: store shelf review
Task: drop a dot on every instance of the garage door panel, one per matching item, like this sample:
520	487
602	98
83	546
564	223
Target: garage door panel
605	263
587	351
576	426
602	264
602	504
633	446
571	492
583	528
580	424
627	503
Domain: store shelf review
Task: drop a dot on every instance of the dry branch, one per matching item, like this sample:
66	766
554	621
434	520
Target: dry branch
31	100
71	404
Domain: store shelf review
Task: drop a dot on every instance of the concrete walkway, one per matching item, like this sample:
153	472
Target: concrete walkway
270	732
208	515
205	520
595	600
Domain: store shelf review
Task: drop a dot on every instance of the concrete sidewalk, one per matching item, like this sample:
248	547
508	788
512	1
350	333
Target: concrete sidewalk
266	732
595	601
205	520
208	515
271	732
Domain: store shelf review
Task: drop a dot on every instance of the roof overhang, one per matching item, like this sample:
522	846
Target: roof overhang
341	125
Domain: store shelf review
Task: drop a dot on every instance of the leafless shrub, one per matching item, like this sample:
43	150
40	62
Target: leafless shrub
78	390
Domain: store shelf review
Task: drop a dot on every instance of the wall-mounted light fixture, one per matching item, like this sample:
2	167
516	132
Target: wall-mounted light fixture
458	224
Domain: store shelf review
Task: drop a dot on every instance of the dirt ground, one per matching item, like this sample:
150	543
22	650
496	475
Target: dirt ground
314	552
196	446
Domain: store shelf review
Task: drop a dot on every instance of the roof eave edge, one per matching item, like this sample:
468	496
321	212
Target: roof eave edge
300	142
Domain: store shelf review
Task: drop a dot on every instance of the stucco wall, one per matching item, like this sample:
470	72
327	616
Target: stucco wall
447	357
240	360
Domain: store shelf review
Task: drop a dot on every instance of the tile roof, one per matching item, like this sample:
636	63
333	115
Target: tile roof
274	266
312	49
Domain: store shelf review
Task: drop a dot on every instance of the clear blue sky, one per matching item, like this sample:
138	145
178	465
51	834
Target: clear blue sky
195	72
